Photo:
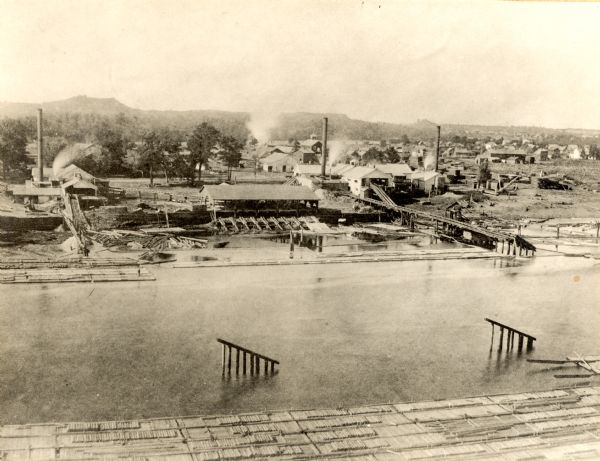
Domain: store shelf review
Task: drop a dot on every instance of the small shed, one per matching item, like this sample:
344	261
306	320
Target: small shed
427	181
79	186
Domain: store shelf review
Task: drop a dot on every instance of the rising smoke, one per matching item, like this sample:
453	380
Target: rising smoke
335	149
67	156
429	161
261	124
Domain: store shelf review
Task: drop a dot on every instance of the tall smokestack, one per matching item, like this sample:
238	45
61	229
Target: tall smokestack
437	150
324	148
40	137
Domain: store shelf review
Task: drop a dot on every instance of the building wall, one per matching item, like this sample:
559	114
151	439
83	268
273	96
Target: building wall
286	165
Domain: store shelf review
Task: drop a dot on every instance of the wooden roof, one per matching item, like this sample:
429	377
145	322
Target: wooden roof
258	192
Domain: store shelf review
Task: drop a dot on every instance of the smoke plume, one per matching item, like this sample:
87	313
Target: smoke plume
335	149
67	156
429	161
261	124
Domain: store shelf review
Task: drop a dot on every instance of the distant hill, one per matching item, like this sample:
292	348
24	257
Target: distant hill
77	104
85	104
298	125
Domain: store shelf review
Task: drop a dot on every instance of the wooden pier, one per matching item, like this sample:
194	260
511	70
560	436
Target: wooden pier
510	336
498	241
245	360
547	425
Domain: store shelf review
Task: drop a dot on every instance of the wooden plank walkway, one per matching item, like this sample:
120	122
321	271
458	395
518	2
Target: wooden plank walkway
550	425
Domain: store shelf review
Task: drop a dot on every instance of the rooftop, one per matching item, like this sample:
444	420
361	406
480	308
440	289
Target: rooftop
79	183
275	157
424	175
395	169
259	192
31	191
311	170
359	172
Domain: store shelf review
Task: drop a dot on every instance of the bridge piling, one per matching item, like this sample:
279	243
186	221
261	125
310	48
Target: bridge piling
510	336
520	345
229	359
242	355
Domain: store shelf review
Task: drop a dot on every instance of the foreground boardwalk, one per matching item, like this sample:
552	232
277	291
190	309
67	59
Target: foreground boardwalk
559	424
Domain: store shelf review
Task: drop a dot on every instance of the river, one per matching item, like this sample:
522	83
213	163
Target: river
345	334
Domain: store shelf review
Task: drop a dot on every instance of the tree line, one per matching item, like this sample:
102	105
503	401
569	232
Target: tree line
165	150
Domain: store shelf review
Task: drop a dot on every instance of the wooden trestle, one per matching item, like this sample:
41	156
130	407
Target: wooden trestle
501	242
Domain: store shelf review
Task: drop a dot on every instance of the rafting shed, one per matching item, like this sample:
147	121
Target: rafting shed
258	197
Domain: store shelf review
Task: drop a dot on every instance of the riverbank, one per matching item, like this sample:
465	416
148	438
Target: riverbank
557	424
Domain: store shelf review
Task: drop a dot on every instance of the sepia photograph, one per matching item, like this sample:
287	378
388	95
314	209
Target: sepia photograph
346	230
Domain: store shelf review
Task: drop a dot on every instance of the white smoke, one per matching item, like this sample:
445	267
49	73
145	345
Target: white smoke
261	124
429	161
67	156
335	149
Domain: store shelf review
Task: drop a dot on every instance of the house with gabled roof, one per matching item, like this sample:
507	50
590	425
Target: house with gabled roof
360	178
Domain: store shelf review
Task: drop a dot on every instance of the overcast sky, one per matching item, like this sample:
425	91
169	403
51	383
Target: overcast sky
472	62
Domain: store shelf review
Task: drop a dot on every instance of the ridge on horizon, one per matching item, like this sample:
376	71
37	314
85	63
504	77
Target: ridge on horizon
112	106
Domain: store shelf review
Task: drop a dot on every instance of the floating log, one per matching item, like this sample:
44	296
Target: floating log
573	376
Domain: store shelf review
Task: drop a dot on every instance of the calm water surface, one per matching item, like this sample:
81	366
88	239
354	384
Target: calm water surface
345	335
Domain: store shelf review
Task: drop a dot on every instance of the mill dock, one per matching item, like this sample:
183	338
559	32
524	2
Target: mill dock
548	425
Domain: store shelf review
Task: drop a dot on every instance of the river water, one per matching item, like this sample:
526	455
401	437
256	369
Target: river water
345	334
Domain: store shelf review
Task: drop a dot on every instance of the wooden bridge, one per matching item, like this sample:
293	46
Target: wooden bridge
501	242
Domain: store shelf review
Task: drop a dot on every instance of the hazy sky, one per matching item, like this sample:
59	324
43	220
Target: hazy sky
475	62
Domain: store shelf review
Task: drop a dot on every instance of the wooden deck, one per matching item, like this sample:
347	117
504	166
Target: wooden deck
551	425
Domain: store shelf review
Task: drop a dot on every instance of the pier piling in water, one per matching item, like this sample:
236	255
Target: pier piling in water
510	336
254	357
